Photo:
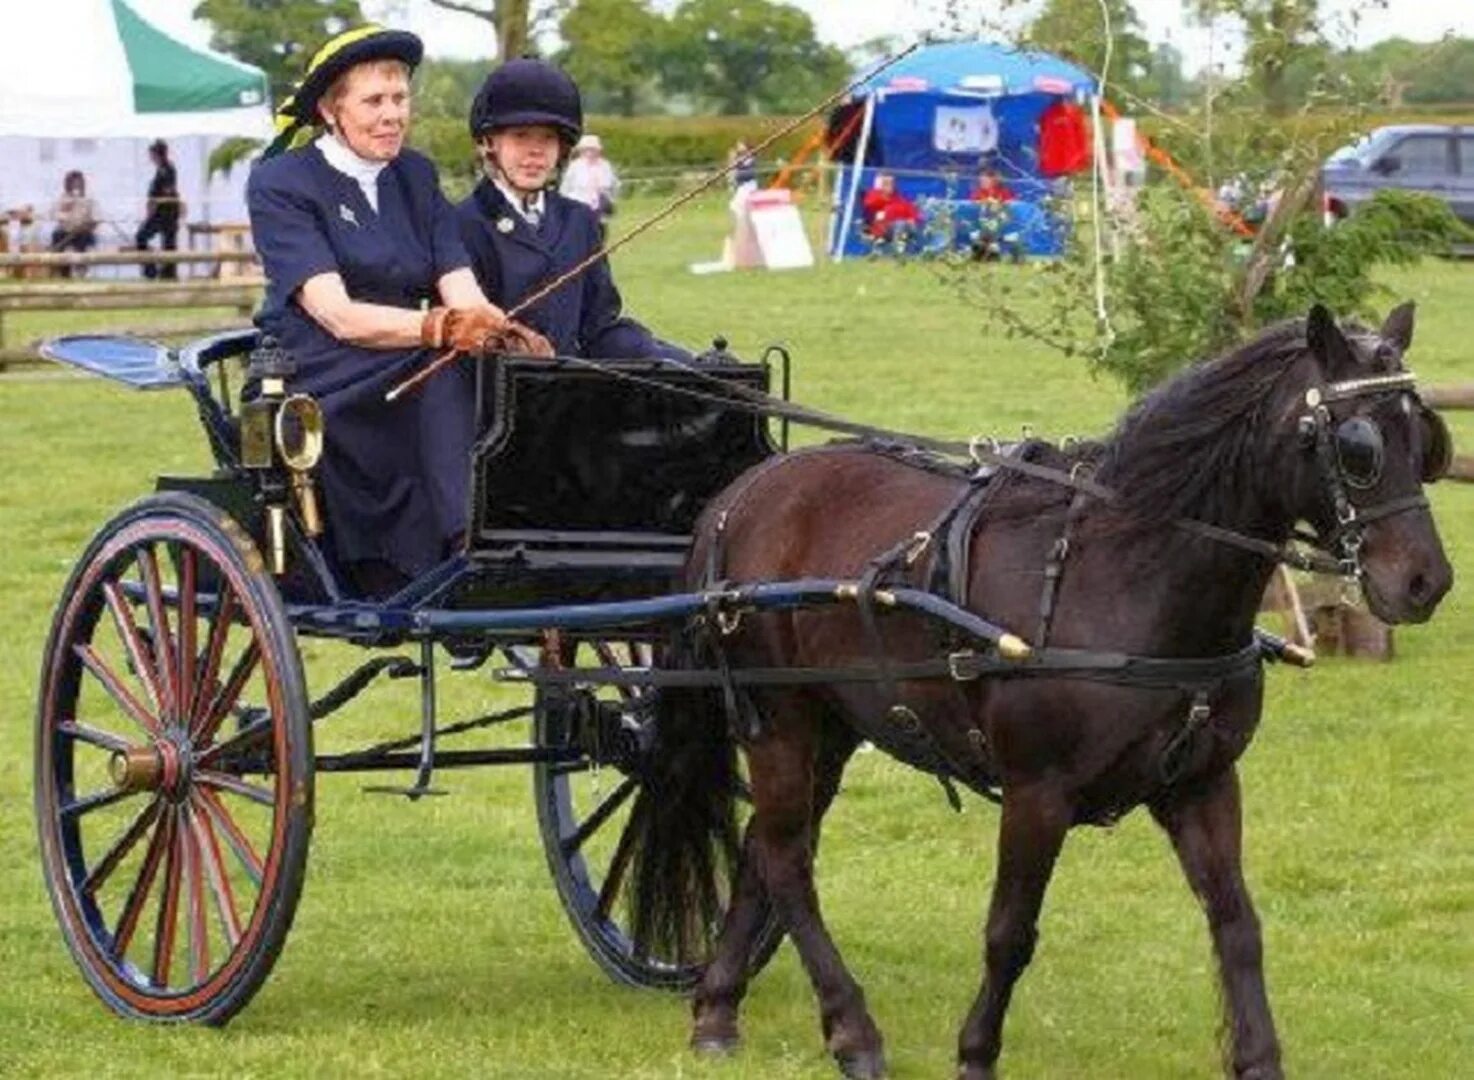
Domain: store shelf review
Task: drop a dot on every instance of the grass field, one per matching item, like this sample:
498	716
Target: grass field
429	940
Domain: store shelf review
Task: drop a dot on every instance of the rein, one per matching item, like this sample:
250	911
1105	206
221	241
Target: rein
985	451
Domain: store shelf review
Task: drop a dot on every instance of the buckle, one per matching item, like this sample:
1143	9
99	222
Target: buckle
960	665
919	543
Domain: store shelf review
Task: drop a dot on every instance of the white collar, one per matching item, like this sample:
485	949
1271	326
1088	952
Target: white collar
524	206
364	172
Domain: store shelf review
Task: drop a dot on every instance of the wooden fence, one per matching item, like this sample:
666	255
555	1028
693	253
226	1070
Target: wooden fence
241	294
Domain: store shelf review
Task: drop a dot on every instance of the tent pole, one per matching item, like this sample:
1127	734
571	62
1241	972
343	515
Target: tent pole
858	165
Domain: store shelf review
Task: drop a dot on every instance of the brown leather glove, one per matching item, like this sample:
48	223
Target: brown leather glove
519	339
471	330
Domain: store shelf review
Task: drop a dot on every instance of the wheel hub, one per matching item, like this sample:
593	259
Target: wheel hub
160	766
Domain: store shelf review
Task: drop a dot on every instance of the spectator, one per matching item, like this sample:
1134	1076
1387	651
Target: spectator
991	189
76	218
743	165
590	179
163	205
889	215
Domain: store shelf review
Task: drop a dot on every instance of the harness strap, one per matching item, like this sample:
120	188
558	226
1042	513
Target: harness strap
1391	507
1122	669
1054	569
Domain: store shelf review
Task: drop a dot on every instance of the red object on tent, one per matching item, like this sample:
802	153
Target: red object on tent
1064	140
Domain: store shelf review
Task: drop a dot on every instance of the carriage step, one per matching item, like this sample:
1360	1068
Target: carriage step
412	793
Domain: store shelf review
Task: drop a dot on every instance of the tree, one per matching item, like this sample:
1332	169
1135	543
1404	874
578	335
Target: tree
1074	29
1275	32
747	55
1165	82
609	50
278	36
514	22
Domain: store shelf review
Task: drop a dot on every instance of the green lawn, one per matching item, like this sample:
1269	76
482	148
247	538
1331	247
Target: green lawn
429	940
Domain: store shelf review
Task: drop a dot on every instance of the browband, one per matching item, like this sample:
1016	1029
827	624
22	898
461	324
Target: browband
1372	384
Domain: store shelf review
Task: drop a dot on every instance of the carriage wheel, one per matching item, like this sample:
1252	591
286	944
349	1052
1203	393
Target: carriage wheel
173	764
583	812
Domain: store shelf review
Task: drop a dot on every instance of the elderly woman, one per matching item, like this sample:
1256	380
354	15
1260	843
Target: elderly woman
367	281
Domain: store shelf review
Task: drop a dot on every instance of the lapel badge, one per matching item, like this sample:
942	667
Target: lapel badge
347	215
504	225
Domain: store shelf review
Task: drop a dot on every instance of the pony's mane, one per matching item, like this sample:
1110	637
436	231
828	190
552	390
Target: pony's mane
1193	447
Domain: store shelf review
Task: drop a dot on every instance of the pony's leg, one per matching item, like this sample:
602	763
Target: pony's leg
1206	830
715	1004
781	766
1035	820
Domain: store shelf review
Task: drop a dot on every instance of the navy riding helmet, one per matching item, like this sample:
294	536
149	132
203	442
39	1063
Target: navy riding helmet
524	92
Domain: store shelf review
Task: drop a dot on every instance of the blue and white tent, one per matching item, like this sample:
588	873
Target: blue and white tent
937	116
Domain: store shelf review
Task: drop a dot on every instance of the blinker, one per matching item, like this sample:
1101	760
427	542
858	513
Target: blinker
1359	451
1437	445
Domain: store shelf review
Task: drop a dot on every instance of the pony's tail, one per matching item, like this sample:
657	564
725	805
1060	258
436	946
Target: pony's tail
683	822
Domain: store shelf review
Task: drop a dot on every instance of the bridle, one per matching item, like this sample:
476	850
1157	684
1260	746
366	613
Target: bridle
1342	447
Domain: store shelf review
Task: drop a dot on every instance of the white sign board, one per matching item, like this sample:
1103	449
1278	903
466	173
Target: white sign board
781	237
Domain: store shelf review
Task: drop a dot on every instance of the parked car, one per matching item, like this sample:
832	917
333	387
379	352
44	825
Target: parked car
1435	159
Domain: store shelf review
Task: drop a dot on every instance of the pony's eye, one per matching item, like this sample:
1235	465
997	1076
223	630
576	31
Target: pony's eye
1359	451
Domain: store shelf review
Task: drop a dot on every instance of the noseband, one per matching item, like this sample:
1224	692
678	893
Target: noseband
1337	442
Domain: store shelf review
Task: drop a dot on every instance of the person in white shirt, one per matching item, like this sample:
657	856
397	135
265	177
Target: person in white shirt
590	179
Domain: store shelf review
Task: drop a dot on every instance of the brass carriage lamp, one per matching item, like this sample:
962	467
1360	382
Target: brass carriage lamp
281	429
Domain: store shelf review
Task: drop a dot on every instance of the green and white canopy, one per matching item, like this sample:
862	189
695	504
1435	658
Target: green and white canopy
96	69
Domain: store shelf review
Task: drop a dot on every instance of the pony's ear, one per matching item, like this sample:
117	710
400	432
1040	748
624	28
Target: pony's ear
1398	329
1328	343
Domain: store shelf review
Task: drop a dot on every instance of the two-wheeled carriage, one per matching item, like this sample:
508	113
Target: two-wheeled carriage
174	758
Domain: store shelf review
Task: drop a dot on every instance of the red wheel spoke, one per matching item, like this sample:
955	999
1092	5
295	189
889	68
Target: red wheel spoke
595	821
243	739
138	897
138	653
208	846
226	782
88	803
119	851
225	700
116	690
88	734
609	658
194	883
148	566
188	575
214	650
239	842
168	919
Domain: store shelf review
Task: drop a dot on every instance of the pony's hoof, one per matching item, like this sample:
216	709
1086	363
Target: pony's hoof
716	1045
862	1064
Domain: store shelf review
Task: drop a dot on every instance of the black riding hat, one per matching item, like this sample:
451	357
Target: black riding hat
524	92
352	47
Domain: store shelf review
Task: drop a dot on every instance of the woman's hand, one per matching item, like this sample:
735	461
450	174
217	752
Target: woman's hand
473	330
519	339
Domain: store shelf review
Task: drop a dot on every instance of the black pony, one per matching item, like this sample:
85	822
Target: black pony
1306	423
